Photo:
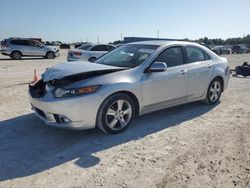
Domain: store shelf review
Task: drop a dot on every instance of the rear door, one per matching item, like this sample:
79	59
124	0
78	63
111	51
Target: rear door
199	66
25	47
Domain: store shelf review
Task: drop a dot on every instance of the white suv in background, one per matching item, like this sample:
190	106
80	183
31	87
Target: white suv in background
16	48
89	52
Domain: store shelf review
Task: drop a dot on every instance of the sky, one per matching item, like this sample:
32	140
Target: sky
86	20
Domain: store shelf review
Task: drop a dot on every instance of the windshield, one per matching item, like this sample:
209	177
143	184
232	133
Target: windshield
128	56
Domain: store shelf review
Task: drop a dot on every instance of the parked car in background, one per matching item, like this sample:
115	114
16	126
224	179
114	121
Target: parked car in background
239	49
216	51
248	46
203	44
132	80
89	52
19	47
221	50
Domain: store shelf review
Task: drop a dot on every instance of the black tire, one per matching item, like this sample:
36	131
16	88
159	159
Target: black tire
16	55
50	55
103	117
209	99
92	59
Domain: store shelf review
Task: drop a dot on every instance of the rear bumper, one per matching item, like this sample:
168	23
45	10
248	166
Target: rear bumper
5	52
73	58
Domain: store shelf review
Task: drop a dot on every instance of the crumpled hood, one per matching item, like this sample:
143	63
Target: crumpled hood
73	68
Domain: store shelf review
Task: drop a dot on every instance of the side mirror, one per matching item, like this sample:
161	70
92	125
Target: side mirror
157	67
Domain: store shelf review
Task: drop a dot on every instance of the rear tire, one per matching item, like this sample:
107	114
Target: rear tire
116	113
214	91
50	55
16	55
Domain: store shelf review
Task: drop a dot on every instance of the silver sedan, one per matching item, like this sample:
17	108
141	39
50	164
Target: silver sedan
132	80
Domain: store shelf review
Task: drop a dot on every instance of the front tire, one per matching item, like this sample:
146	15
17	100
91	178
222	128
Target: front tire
50	55
16	55
214	91
116	113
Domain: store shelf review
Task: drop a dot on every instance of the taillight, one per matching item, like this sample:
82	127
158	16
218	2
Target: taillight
77	53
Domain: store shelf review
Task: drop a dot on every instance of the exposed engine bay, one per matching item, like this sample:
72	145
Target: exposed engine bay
38	89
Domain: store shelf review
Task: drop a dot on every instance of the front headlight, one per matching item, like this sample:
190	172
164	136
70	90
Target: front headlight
61	92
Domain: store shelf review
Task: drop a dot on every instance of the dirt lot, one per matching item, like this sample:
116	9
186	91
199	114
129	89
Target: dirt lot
193	145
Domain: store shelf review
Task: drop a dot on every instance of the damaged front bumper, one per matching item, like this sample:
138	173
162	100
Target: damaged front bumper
77	113
57	53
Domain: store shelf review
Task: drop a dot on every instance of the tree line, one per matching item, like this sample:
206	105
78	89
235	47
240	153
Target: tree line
229	41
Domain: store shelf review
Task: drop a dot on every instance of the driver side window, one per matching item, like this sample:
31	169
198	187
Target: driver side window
171	56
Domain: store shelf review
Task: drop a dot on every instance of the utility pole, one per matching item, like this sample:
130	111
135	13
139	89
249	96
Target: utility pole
121	37
87	39
98	39
158	33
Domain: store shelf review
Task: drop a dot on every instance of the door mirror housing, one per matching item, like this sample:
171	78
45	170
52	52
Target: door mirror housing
157	67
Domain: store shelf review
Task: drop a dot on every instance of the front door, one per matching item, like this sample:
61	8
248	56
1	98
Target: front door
36	49
169	87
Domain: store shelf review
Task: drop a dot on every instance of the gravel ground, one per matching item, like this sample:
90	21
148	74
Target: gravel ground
192	145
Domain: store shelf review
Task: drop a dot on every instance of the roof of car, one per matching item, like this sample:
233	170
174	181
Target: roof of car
161	42
94	44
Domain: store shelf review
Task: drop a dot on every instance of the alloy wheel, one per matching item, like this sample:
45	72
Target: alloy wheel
119	114
16	55
215	91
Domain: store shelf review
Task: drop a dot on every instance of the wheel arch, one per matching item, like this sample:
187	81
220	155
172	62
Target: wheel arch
131	95
49	52
221	79
16	51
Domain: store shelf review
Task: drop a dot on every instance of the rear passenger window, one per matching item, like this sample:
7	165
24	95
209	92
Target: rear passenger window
207	57
16	42
99	48
195	54
26	43
172	56
20	42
